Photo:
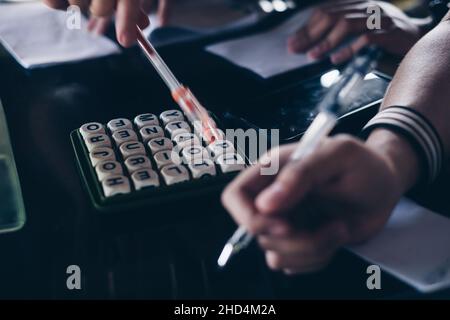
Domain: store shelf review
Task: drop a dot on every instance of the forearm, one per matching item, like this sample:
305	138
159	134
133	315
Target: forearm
422	81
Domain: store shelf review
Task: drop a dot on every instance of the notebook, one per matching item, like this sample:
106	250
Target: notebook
414	247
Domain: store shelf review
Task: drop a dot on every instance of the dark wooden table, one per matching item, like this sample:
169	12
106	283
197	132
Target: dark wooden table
120	256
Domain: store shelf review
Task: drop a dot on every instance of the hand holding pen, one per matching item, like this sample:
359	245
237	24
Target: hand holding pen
266	194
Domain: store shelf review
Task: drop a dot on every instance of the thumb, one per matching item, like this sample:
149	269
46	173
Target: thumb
298	178
289	188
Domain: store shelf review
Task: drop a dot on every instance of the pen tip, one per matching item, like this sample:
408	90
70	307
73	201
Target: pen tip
225	255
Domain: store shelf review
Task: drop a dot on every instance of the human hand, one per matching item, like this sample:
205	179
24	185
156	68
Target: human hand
343	193
128	13
333	23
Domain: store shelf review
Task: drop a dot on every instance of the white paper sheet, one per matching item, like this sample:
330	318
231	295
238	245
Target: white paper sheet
266	53
37	36
414	247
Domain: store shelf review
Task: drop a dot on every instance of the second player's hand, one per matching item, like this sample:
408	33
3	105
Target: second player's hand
335	22
128	14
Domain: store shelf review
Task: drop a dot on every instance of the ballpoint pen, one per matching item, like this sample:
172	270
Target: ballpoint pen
321	126
182	95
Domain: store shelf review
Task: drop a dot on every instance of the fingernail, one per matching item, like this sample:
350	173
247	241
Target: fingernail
123	39
334	59
292	40
127	39
91	25
291	46
98	30
293	49
337	58
315	52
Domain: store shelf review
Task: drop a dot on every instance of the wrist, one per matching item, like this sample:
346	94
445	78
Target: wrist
399	155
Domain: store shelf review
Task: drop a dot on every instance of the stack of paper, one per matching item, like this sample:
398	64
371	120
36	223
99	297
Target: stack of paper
38	36
266	53
414	246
